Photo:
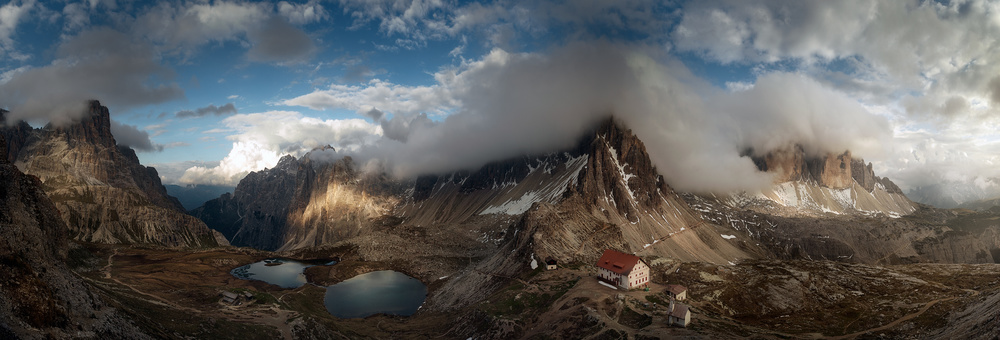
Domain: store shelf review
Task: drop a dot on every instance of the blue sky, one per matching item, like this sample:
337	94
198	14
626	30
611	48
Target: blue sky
209	90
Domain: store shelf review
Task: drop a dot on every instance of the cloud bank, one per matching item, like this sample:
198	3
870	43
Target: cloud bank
227	109
930	66
131	136
262	138
98	64
510	104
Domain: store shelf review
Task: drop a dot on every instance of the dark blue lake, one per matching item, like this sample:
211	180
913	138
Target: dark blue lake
386	291
284	273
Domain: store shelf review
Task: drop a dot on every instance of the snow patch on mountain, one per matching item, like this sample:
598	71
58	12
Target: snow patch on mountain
551	187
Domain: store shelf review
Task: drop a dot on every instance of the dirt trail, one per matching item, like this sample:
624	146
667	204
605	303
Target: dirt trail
278	320
702	316
896	322
604	227
157	300
889	325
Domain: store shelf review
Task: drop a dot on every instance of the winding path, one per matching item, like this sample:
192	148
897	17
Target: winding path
896	322
278	320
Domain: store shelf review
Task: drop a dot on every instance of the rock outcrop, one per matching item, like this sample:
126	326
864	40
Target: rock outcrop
863	174
102	192
334	201
39	296
17	135
829	183
299	204
255	214
792	164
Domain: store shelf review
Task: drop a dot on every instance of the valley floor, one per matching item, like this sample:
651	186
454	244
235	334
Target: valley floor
176	294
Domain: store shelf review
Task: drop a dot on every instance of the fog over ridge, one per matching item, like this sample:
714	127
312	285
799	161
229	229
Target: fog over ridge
513	104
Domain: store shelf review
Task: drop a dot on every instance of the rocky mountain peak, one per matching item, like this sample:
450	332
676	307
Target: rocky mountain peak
792	164
863	174
618	164
94	127
101	190
17	135
287	163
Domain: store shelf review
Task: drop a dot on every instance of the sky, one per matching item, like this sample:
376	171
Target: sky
207	91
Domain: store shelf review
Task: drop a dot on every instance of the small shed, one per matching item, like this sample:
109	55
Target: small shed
229	297
550	264
679	314
677	292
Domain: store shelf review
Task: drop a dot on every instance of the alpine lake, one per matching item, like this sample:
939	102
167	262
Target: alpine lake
386	291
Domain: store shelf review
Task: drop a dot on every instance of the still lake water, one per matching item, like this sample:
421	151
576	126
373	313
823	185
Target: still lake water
284	273
386	291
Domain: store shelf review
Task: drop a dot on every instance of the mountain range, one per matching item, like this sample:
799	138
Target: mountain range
71	193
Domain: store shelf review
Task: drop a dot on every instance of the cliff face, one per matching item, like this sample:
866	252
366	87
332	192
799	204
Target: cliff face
255	214
102	192
829	183
863	174
39	296
792	164
16	134
333	202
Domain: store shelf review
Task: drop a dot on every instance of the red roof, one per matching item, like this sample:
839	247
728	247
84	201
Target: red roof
617	262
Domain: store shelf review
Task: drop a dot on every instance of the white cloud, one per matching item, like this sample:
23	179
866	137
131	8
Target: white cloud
509	104
6	76
242	159
501	24
941	52
379	94
211	109
183	28
301	14
97	64
75	16
929	67
131	136
10	15
262	138
278	41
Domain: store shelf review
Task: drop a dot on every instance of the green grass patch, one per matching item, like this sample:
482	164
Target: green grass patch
260	298
611	334
659	299
514	302
307	300
634	320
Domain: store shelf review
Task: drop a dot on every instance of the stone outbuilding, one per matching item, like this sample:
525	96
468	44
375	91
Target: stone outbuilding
678	315
230	298
622	270
677	292
550	264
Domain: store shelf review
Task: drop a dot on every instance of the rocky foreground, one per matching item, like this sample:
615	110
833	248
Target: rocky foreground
40	297
177	294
